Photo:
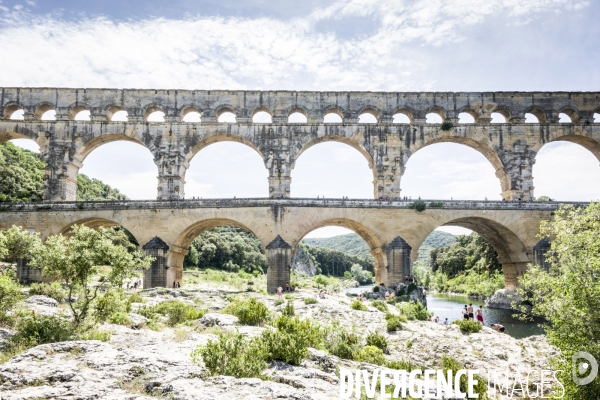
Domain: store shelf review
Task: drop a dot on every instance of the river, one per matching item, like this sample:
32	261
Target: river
446	306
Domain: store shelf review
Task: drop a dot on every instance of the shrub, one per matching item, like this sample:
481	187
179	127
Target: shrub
232	355
33	330
10	294
402	365
176	312
468	326
279	302
377	340
447	125
288	310
418	205
119	318
310	300
450	364
340	342
290	341
112	302
380	305
95	335
394	322
321	280
358	305
53	290
414	311
370	355
348	275
436	204
136	298
249	311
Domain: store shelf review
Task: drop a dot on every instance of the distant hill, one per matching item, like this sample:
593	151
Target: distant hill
351	244
354	245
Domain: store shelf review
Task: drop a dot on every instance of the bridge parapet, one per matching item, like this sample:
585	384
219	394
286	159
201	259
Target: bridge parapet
287	202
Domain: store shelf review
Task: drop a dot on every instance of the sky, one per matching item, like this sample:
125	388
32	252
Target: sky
402	45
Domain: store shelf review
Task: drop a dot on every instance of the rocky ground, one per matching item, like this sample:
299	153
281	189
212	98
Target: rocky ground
144	364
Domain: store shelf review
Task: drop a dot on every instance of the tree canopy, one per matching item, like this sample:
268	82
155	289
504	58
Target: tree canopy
470	252
568	295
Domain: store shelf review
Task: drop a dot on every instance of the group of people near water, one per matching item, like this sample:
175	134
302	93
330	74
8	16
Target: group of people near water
469	313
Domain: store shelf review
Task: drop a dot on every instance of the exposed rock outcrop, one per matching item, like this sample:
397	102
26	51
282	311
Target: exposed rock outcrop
503	298
302	263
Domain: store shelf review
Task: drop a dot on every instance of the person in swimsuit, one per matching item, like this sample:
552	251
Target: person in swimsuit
280	292
465	313
470	310
479	315
498	328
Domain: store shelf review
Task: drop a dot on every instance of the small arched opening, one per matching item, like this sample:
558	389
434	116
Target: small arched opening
297	116
154	114
402	117
333	116
499	118
45	112
466	118
226	115
191	115
79	113
117	114
535	116
368	116
14	112
262	116
434	118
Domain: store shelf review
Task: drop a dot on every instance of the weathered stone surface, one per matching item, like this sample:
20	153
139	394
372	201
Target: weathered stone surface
137	321
503	298
212	319
5	336
41	300
302	263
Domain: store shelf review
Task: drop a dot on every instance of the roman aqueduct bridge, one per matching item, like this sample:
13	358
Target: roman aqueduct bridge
167	226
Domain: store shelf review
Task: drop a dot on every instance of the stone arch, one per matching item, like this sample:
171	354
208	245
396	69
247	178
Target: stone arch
410	113
261	109
185	110
85	148
10	108
539	113
334	110
484	148
571	112
94	223
437	110
586	142
41	108
223	108
469	110
152	109
7	135
221	137
110	111
374	111
75	109
514	252
504	111
374	243
298	109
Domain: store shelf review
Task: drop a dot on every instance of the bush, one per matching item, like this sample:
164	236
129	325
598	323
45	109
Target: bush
249	311
290	341
402	365
418	205
394	322
377	340
33	330
340	342
436	204
10	294
450	364
468	326
289	310
447	125
53	290
103	336
310	300
414	311
370	355
348	275
380	305
358	305
135	298
279	302
119	318
232	355
176	312
112	302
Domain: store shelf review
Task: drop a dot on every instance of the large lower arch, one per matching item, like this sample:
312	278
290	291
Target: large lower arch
514	252
354	142
374	243
484	148
590	144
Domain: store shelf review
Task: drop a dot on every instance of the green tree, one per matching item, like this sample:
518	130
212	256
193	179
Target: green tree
79	261
21	174
90	189
568	295
469	252
17	243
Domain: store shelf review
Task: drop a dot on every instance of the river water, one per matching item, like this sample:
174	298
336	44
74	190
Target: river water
446	306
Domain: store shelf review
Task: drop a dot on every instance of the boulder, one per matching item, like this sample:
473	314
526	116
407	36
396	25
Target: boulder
503	298
137	321
40	300
212	319
5	336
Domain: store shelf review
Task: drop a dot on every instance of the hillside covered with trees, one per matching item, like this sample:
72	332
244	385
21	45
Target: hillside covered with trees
22	179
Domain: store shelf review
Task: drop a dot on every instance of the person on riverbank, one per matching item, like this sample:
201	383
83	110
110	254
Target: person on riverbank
498	328
446	321
479	315
465	312
280	292
471	314
437	319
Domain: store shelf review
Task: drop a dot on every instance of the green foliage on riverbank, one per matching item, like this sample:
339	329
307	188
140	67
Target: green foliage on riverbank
90	189
470	283
567	296
470	252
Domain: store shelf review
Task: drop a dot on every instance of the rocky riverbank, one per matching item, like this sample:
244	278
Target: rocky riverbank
143	364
